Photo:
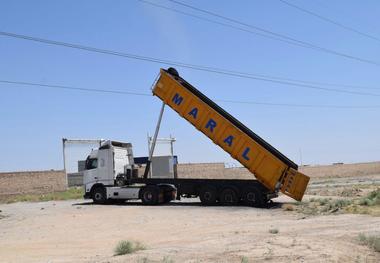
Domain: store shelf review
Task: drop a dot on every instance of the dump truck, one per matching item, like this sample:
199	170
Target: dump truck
272	172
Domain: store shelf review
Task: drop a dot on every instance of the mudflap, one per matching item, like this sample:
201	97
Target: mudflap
294	184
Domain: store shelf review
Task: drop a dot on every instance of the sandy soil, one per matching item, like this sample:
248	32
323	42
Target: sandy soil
76	231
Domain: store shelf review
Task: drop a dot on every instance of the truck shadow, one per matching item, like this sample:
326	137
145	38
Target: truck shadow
270	205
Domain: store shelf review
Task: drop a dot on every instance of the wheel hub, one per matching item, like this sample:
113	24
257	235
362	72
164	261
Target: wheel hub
98	196
148	196
228	198
208	196
251	197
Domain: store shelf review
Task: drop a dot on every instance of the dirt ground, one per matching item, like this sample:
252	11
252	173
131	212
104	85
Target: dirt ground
78	231
185	231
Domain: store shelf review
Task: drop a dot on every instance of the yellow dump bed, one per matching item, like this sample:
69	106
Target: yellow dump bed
270	167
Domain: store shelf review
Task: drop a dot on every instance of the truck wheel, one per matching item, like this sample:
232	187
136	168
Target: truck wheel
99	195
169	195
169	192
229	197
253	197
208	195
149	195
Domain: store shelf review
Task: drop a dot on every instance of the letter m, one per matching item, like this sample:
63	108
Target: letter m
177	99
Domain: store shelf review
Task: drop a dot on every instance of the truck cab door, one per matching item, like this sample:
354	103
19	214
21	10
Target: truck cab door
90	174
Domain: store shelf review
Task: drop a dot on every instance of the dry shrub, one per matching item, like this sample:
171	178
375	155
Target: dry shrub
372	241
128	247
274	231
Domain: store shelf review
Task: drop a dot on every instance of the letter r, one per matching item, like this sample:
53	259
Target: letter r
211	124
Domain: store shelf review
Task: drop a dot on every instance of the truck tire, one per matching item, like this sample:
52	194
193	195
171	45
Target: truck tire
169	193
150	195
99	195
228	197
168	197
253	197
208	195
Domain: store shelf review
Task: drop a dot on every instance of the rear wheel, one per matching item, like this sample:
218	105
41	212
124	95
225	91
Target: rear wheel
208	195
253	197
168	192
169	195
229	197
99	195
150	195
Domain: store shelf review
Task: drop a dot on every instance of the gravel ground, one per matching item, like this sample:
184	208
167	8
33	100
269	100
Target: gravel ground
78	231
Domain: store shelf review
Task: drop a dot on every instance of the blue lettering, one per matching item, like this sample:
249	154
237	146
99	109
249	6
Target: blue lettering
211	124
177	99
194	113
228	140
245	153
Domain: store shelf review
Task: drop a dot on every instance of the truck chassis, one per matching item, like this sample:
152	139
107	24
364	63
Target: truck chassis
153	191
216	191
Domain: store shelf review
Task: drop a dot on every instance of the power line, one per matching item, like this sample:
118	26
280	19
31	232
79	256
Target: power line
215	70
280	37
326	83
328	20
264	34
301	105
123	92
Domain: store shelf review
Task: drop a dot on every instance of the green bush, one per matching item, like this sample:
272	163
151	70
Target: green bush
244	259
167	259
371	241
274	231
373	198
341	203
323	201
128	247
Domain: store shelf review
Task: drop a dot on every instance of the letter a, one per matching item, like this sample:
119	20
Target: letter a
194	113
228	140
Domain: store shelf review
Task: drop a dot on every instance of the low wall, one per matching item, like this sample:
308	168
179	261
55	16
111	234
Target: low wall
201	170
342	170
217	170
40	182
75	179
35	182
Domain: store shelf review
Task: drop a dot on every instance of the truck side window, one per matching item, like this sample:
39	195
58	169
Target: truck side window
91	163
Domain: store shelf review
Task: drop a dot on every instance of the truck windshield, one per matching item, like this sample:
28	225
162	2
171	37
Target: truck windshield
91	163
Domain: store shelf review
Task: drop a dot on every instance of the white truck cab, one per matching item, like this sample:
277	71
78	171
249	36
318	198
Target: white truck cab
103	165
108	170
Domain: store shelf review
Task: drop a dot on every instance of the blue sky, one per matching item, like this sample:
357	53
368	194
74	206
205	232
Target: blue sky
33	120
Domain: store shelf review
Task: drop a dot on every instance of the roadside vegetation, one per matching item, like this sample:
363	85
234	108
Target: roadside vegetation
71	193
128	247
369	204
372	241
274	231
165	259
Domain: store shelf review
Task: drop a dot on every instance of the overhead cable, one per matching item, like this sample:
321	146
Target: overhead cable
215	70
